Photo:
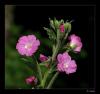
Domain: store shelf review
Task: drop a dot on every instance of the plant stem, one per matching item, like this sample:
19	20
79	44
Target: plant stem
52	80
54	56
46	76
64	39
38	69
58	46
44	79
55	52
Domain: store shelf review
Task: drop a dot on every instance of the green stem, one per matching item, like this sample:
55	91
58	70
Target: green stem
46	76
55	52
44	79
52	80
64	39
38	69
58	46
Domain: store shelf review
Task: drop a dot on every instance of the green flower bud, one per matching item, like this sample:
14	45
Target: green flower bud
61	21
56	23
67	26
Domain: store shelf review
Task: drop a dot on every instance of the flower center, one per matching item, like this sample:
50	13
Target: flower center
73	45
28	46
65	65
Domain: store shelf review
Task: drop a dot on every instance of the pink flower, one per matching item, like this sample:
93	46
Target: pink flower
27	45
62	28
43	58
65	64
31	80
75	42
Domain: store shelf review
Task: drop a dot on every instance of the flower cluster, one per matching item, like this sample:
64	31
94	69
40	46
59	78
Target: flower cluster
59	61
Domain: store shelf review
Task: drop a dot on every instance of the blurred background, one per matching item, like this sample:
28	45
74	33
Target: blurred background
23	20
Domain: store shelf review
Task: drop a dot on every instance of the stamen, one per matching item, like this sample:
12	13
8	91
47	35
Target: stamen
66	65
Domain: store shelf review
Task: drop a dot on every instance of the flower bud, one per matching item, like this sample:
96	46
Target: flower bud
56	23
62	28
43	58
31	80
67	26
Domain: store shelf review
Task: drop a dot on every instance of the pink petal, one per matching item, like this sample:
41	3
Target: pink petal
59	58
31	37
66	57
43	58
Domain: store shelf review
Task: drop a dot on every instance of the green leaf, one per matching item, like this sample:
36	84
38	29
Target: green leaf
39	73
61	21
52	24
44	66
29	59
31	65
43	63
50	33
56	23
58	35
43	69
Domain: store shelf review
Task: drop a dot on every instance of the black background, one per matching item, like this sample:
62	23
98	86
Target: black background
36	17
49	1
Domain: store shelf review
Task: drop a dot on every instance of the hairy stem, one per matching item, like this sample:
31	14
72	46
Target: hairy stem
38	69
46	76
55	52
65	39
44	79
52	80
57	46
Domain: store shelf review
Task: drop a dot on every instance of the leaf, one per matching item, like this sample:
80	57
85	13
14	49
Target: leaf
43	63
43	69
61	21
52	24
39	73
50	33
29	59
31	65
47	75
56	23
45	66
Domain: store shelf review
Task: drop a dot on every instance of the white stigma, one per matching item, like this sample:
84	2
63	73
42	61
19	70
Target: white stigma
28	46
65	65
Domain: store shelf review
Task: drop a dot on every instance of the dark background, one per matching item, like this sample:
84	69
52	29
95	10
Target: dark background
36	17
